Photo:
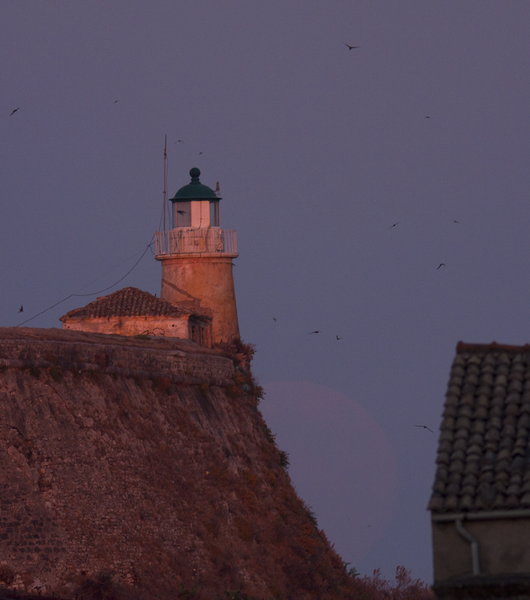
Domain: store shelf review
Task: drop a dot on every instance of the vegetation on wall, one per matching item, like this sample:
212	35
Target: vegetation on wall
375	587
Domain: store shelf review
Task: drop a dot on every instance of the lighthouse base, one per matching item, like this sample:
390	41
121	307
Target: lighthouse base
204	284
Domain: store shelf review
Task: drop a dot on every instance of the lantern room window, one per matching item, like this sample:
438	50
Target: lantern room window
214	213
182	214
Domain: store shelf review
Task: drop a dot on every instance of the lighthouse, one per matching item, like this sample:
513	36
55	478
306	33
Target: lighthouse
196	256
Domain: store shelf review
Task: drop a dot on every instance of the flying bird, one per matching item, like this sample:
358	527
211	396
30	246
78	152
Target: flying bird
274	319
350	47
427	117
179	141
440	265
394	224
181	212
455	221
313	332
200	153
339	338
21	309
14	111
424	427
116	101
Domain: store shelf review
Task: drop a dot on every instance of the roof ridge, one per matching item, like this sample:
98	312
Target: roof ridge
462	347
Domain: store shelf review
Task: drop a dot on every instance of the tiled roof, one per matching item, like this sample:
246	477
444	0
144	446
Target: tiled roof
128	302
483	460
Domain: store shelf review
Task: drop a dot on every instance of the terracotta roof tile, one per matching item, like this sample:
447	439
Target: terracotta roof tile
484	446
128	302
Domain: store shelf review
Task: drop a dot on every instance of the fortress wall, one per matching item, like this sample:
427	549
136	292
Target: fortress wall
90	482
162	488
110	358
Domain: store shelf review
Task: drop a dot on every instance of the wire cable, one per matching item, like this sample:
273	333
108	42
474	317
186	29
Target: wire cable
91	294
110	270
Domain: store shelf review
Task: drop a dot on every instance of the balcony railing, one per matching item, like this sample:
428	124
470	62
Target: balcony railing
196	241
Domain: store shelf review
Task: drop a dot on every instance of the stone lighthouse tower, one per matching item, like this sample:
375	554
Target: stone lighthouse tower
196	256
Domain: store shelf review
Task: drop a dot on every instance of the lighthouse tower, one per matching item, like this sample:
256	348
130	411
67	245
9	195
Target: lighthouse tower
196	256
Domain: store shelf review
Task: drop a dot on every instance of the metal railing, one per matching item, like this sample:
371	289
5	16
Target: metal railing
196	241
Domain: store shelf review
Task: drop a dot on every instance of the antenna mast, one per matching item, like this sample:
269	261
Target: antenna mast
165	182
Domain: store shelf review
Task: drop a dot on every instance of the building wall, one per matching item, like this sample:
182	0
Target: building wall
504	548
200	282
166	326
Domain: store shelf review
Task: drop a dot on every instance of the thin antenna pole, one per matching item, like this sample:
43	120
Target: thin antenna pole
165	181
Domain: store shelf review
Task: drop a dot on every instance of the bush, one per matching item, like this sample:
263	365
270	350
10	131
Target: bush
284	459
35	372
56	373
378	588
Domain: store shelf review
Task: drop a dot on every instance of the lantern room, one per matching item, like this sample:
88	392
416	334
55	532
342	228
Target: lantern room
195	206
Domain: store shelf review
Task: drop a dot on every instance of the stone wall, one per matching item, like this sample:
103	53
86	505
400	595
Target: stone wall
178	360
144	465
159	325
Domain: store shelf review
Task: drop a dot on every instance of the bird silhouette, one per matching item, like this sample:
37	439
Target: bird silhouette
424	427
394	224
274	319
200	153
313	332
440	265
115	101
181	212
427	117
350	47
339	338
14	111
455	221
21	309
179	141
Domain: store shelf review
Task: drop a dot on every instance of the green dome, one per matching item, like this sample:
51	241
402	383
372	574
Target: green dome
194	190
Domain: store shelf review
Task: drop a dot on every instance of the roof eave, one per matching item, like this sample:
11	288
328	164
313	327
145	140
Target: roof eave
486	515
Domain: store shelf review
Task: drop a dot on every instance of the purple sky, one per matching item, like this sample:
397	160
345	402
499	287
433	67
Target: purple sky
318	151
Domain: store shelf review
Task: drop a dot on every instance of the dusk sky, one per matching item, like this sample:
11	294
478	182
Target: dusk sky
319	150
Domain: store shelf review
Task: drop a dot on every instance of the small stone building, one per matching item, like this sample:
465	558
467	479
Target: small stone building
131	311
480	502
